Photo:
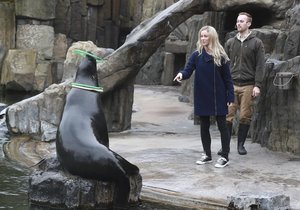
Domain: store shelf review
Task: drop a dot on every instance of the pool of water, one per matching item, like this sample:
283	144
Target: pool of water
13	179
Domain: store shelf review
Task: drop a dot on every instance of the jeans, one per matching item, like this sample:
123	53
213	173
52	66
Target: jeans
206	138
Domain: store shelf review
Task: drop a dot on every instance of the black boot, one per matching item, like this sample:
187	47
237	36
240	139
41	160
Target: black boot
242	135
229	126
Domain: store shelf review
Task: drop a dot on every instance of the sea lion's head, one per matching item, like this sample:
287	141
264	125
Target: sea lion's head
87	69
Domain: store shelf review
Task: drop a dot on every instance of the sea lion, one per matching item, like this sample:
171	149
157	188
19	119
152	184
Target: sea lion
82	143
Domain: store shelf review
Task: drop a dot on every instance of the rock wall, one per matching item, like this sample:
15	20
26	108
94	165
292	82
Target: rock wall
277	112
37	35
50	27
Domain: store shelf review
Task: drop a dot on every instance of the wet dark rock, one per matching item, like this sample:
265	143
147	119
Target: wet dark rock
50	186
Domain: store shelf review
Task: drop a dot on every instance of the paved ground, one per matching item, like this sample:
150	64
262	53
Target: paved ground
165	145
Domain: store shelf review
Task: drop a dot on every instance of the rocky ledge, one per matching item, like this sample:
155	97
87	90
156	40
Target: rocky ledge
50	186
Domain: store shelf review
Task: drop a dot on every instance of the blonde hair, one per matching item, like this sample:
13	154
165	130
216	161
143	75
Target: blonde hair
214	46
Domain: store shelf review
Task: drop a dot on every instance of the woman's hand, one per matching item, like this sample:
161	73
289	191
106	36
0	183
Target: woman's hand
178	77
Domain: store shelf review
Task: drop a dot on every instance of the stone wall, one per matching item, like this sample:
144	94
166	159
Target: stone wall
37	34
50	27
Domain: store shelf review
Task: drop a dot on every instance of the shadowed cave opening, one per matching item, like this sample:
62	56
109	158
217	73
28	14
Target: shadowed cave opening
260	16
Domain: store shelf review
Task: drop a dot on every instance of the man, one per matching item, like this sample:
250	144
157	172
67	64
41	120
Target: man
247	60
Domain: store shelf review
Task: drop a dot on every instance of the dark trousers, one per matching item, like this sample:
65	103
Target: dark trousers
205	135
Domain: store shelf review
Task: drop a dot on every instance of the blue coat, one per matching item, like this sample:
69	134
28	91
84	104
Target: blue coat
213	86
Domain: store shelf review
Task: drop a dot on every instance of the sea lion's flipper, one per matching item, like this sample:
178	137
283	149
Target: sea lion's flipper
128	167
100	130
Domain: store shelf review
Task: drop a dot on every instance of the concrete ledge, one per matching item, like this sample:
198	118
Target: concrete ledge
179	200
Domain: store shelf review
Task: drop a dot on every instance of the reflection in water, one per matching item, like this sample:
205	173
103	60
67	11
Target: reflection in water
13	176
13	179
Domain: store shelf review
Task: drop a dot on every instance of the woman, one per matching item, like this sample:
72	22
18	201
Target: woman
213	90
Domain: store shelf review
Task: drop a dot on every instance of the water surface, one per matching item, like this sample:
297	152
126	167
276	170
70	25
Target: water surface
13	178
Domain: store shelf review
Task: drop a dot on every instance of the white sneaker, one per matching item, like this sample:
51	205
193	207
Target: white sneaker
222	162
204	160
